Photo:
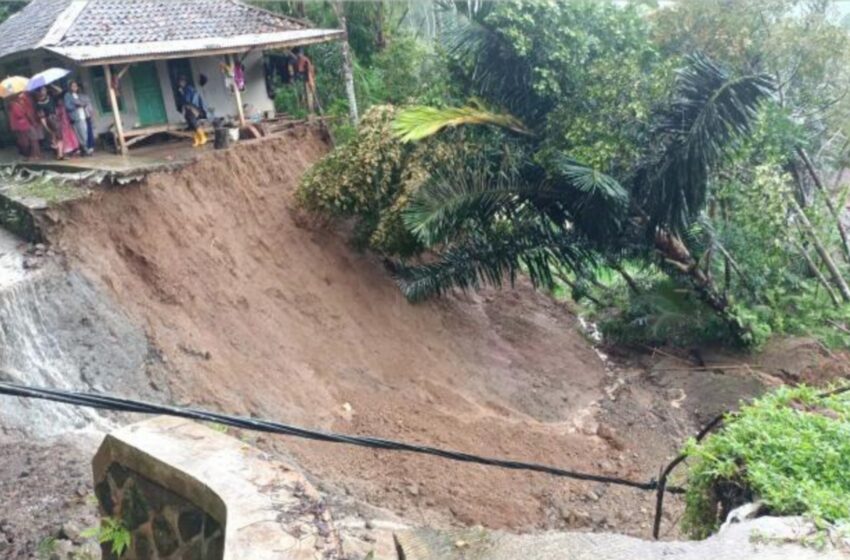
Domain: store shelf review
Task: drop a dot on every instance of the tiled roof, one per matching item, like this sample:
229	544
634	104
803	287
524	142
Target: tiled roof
111	22
91	30
25	29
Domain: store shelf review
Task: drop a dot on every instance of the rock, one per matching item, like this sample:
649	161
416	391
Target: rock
413	489
610	435
71	531
369	524
592	496
599	519
743	513
576	518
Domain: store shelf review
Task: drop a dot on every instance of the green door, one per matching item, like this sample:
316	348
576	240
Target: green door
148	94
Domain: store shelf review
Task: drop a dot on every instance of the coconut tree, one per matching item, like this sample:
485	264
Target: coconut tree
487	221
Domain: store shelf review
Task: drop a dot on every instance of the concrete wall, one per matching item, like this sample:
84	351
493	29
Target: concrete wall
187	492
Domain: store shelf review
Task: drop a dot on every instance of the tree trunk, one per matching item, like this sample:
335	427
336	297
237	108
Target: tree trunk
674	251
822	252
347	65
832	210
380	37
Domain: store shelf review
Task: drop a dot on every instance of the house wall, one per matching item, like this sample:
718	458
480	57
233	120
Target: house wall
218	97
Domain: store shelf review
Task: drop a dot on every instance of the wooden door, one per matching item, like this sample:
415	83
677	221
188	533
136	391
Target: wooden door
146	89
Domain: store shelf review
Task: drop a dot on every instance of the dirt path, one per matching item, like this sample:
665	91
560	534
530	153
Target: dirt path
257	314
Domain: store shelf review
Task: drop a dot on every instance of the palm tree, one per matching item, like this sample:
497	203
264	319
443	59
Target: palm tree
486	223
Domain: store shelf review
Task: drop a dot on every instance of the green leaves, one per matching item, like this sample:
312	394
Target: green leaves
789	449
111	531
447	202
491	257
709	111
419	122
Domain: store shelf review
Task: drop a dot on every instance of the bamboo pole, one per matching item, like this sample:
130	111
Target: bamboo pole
810	167
240	109
113	102
818	274
837	278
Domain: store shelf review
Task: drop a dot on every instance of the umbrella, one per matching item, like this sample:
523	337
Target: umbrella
13	85
46	77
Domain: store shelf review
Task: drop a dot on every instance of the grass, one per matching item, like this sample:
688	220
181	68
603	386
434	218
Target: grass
790	449
48	190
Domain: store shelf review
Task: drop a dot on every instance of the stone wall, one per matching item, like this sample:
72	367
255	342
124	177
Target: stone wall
163	525
187	492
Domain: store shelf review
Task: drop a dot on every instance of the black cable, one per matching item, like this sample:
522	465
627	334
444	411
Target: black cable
105	402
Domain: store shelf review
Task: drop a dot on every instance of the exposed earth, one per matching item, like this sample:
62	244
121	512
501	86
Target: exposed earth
254	309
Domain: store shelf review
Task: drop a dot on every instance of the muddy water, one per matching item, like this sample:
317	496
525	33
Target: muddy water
57	330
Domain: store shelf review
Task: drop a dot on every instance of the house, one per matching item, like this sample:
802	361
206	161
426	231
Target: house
142	47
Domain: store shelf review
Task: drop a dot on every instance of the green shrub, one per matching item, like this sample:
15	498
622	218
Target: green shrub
286	100
663	312
790	449
370	178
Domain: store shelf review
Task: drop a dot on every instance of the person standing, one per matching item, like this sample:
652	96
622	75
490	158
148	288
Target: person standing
45	107
304	71
23	124
77	105
70	143
193	108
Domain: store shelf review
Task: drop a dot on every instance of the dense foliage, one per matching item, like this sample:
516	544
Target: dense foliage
671	168
371	179
788	449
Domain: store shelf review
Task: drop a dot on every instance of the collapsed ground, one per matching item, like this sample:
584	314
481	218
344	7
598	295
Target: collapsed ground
256	309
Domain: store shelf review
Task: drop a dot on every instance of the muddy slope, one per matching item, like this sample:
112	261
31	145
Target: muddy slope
255	313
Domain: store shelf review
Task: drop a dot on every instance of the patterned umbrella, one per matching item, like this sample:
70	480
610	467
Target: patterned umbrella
13	85
46	77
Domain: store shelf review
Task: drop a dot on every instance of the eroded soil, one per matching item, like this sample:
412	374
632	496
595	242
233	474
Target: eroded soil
257	311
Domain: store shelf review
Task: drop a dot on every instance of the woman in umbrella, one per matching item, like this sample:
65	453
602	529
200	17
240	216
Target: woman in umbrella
45	106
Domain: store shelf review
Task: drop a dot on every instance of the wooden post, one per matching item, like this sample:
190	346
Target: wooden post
232	65
113	102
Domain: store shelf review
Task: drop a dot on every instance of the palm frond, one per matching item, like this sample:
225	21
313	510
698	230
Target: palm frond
492	258
489	66
711	109
589	180
420	122
594	201
441	206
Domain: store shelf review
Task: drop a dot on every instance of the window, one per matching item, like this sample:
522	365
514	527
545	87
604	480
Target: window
178	67
101	94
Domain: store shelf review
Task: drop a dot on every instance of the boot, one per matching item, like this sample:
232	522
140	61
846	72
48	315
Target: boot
203	136
196	139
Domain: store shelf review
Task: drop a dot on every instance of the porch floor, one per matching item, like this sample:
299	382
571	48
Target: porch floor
141	160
